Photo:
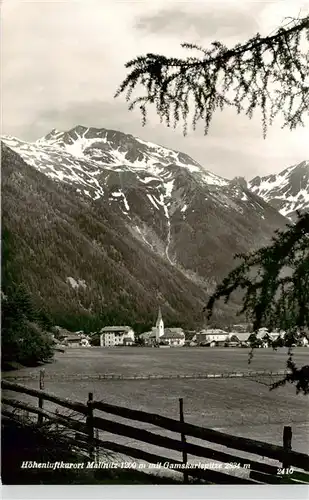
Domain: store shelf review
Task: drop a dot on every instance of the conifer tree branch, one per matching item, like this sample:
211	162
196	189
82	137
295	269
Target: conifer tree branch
268	73
274	281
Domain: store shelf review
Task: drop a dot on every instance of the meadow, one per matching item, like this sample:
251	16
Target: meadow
242	407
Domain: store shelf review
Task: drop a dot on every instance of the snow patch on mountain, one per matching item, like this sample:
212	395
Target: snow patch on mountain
120	194
58	164
287	191
80	144
149	179
169	187
149	196
184	208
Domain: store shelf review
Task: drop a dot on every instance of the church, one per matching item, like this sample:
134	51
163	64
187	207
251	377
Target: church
173	337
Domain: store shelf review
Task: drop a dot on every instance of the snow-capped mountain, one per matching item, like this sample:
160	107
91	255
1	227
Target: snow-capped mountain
88	157
152	186
287	191
160	209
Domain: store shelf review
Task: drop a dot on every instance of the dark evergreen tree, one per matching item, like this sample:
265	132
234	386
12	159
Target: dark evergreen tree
274	281
23	340
24	337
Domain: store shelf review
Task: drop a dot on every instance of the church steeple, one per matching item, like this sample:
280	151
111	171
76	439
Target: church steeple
159	315
159	325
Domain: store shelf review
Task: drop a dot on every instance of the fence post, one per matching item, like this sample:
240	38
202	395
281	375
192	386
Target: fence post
287	444
183	440
41	387
89	423
97	449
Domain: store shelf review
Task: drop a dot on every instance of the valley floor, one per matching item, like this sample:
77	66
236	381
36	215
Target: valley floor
238	406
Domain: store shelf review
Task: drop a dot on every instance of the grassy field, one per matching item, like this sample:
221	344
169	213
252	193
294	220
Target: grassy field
237	406
141	361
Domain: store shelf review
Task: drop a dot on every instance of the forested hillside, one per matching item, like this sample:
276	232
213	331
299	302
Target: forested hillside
103	228
80	262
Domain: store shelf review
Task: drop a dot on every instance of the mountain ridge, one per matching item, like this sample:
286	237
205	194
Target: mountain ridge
157	204
287	191
58	237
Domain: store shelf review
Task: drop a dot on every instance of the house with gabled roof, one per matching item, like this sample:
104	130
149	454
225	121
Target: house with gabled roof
242	338
174	337
159	335
212	336
111	336
72	340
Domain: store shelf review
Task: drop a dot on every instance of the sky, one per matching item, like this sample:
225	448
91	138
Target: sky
62	61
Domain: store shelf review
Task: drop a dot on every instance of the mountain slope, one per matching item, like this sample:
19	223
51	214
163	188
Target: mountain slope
287	191
126	224
184	213
80	260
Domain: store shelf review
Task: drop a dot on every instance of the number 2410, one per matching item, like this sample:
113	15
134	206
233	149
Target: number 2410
287	470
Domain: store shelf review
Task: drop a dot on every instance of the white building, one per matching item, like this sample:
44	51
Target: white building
159	326
85	342
72	340
212	335
159	335
174	337
111	336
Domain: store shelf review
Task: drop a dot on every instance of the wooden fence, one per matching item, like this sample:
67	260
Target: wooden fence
291	466
256	374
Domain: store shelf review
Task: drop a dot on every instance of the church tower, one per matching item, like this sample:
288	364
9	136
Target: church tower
159	325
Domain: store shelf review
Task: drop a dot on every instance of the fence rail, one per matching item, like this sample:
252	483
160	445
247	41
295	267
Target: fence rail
257	472
173	376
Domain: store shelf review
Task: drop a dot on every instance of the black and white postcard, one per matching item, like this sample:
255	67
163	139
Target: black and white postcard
155	255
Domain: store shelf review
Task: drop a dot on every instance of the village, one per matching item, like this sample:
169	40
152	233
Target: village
239	335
